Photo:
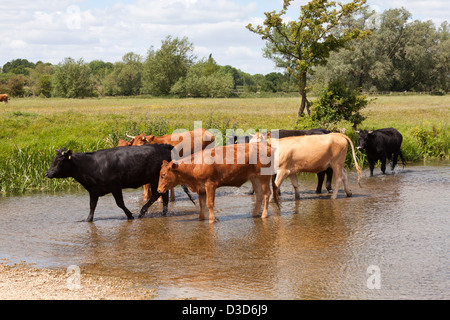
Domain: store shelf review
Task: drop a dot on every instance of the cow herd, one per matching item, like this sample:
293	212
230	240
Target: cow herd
192	159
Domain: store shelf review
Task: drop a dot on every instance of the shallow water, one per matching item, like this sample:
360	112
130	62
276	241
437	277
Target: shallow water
313	248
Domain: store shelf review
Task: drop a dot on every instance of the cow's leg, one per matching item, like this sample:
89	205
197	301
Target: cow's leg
281	175
383	164
320	178
345	180
165	198
202	200
338	175
172	195
329	173
265	186
147	192
153	198
371	167
210	197
258	193
118	196
294	182
394	160
93	199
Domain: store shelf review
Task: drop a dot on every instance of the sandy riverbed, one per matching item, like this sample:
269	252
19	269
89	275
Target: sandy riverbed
25	282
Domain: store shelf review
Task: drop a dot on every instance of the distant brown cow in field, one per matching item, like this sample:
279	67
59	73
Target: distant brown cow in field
4	97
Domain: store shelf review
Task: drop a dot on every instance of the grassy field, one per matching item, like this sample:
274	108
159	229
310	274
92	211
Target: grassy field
31	129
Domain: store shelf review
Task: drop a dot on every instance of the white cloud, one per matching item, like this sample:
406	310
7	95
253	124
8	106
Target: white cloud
51	30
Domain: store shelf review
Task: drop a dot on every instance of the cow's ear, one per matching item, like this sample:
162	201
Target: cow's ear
164	163
69	154
149	138
174	165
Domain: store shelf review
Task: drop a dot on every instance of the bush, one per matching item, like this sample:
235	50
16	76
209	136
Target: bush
337	103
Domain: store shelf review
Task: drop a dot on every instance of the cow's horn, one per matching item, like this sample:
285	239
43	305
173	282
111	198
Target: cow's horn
132	137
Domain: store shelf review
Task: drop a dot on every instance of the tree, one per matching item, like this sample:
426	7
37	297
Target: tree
307	42
126	77
401	55
18	66
204	79
72	79
165	66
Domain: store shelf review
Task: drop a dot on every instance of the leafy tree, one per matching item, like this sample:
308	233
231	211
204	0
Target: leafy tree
16	86
401	55
126	77
200	81
165	66
72	79
18	66
307	42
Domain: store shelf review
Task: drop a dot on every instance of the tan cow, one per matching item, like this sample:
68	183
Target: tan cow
313	154
241	164
4	97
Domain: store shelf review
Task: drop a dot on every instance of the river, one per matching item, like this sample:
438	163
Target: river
390	240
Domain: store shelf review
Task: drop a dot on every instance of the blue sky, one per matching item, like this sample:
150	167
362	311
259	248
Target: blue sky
51	30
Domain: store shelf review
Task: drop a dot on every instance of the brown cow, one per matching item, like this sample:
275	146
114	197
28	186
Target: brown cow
314	154
185	144
4	97
216	170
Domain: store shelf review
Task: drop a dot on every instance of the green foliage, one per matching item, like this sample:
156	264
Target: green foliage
307	42
126	77
401	55
165	66
204	80
337	103
18	66
434	142
72	79
15	86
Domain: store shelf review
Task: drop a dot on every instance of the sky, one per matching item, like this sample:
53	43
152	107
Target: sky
50	30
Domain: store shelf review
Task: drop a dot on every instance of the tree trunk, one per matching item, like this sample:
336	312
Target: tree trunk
302	89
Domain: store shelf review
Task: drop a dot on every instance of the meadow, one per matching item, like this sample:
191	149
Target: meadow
32	128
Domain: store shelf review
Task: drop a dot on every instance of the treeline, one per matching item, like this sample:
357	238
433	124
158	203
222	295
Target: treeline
171	70
400	55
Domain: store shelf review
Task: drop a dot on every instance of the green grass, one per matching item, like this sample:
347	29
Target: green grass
31	129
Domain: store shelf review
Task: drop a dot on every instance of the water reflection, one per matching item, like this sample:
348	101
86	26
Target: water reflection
313	248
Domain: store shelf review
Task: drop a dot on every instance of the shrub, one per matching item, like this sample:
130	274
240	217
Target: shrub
337	103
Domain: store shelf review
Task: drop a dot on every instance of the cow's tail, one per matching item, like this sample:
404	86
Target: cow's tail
358	169
186	190
403	159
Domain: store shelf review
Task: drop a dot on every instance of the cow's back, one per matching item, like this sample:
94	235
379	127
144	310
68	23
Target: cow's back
311	153
387	140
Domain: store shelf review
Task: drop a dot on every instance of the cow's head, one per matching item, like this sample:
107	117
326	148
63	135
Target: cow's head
61	166
124	143
364	138
139	140
167	176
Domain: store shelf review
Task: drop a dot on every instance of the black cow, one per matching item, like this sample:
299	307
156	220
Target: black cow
380	145
111	170
320	175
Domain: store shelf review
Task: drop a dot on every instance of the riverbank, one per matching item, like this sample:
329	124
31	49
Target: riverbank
25	282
